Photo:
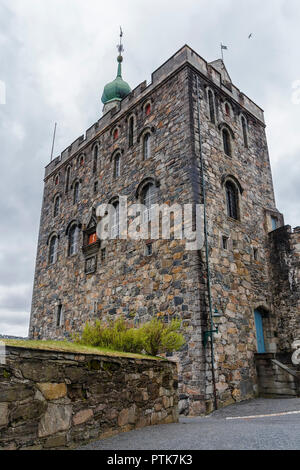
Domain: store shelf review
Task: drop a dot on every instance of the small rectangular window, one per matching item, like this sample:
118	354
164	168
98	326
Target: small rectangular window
225	243
103	254
92	238
255	254
274	221
59	316
149	249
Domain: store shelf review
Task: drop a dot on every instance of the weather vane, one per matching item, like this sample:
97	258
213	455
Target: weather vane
120	46
223	48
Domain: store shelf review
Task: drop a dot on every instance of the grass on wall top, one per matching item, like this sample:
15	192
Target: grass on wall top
69	347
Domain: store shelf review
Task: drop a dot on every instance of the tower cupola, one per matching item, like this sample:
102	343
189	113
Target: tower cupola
116	90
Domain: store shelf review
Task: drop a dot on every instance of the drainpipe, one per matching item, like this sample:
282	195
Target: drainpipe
203	183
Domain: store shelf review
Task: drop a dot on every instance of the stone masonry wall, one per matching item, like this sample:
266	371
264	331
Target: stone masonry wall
60	400
240	272
126	282
285	259
171	281
276	379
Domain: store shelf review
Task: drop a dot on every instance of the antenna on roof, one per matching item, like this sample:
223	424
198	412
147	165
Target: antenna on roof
54	134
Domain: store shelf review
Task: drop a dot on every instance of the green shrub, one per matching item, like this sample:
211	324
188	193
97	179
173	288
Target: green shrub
153	337
115	335
160	337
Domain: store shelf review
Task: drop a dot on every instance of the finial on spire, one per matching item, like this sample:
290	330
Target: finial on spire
120	46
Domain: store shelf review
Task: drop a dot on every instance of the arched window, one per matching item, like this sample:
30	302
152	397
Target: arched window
116	134
232	200
149	196
211	103
73	240
76	192
226	142
95	162
147	146
81	160
148	109
117	165
53	245
115	221
56	180
130	131
68	176
56	206
245	131
227	109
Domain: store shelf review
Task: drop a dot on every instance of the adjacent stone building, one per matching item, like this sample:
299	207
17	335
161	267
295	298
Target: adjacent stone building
189	137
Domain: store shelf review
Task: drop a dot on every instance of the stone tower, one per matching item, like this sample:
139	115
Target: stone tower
189	137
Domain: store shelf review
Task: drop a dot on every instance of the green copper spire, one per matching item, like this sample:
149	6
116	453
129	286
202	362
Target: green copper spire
118	89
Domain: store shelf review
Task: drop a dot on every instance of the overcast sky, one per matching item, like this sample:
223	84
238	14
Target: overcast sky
56	56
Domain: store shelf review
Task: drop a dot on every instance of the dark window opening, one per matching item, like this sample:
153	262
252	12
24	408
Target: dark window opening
103	254
53	250
96	187
68	179
117	166
116	134
59	316
76	193
226	142
227	109
56	206
130	134
211	107
232	200
146	146
245	134
225	243
149	249
95	164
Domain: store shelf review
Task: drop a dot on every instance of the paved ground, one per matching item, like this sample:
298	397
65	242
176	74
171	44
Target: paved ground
219	431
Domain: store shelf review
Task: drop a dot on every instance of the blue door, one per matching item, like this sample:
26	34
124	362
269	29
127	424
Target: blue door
259	333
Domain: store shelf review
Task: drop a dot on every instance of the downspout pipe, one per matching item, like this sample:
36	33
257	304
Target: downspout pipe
203	184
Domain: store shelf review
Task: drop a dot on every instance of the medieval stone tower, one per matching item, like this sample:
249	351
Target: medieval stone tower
189	137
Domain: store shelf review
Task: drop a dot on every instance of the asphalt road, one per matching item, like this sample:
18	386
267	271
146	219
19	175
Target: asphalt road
219	431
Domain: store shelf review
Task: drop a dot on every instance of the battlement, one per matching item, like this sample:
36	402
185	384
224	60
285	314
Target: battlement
184	56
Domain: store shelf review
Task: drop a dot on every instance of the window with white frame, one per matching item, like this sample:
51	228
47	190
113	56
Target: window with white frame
53	245
115	220
149	196
147	146
73	240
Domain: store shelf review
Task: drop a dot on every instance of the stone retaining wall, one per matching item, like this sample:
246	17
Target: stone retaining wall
276	379
51	399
